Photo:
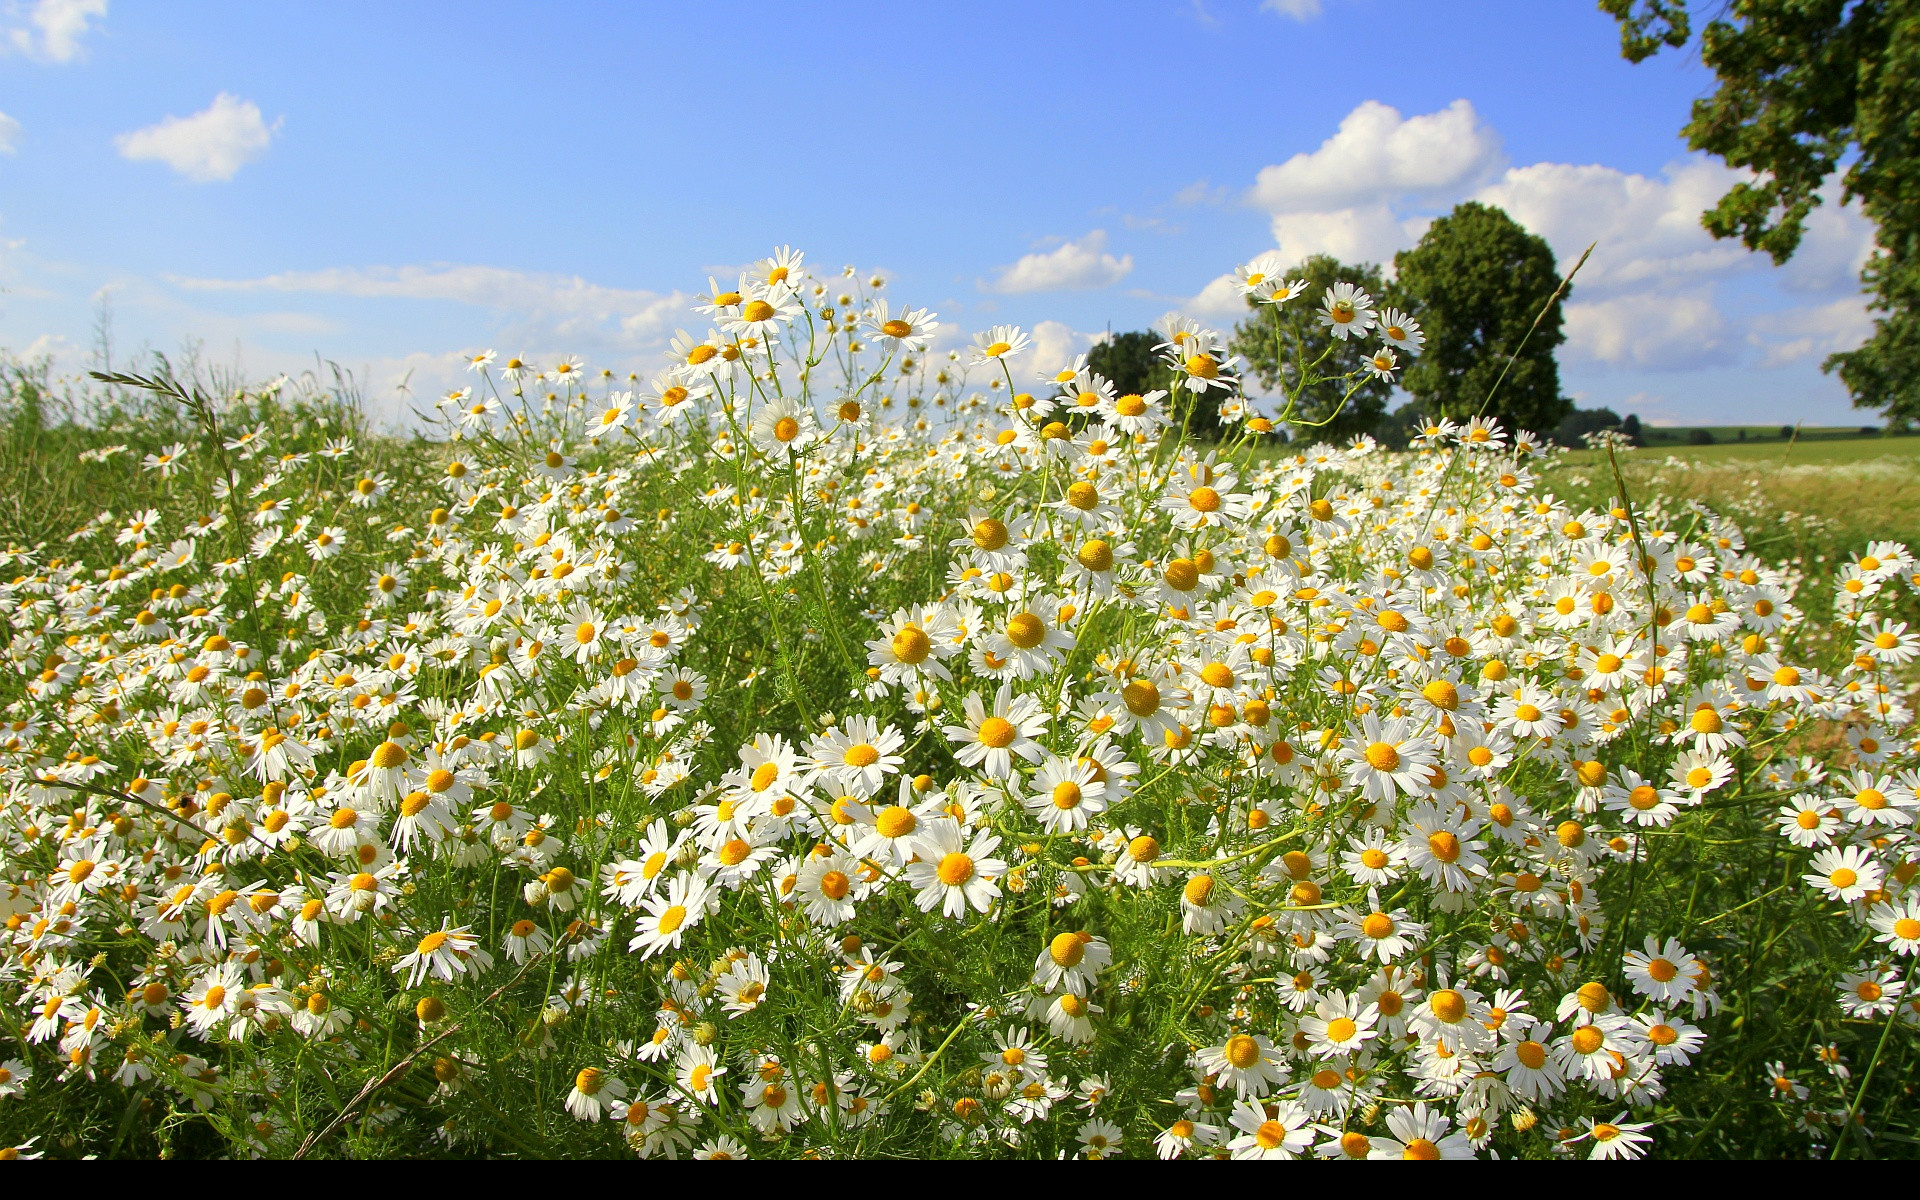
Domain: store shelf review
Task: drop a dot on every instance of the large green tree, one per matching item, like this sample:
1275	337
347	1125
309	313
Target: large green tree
1275	341
1808	88
1475	283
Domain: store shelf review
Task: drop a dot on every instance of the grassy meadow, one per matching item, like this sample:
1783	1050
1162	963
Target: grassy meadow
1139	932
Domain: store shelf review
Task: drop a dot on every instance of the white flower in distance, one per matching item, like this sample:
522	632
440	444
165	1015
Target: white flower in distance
1071	961
1661	972
953	873
593	1090
443	953
1285	1134
910	331
999	343
989	740
1845	873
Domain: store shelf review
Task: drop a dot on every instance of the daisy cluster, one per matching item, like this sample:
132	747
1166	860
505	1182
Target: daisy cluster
835	744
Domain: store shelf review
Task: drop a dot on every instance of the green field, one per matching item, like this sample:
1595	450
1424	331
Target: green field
1814	498
1764	444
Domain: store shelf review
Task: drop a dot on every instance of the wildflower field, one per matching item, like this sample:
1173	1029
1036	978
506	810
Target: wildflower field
840	746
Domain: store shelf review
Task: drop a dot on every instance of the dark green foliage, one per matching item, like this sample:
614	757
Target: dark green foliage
1572	431
1475	283
1274	341
1808	88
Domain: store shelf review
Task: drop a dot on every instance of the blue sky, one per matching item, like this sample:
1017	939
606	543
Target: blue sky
394	185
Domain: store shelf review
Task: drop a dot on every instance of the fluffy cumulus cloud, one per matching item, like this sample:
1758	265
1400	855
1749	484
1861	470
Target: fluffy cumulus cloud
1649	227
1684	329
209	146
1220	301
1071	265
1055	344
1369	234
54	29
564	311
1378	156
9	134
1659	293
1810	331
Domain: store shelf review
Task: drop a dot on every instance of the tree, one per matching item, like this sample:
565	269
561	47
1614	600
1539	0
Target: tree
1275	340
1806	88
1127	360
1572	432
1475	283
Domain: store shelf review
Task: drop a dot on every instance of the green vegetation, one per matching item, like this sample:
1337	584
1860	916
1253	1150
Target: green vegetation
1274	341
1483	288
1807	89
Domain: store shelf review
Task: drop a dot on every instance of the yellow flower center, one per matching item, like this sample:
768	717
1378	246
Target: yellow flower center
1026	630
954	869
997	732
989	534
895	822
1242	1051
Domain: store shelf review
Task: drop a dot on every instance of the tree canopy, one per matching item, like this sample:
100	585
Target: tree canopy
1475	283
1275	341
1808	88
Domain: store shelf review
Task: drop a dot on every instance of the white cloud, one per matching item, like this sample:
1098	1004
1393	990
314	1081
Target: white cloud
1299	10
1649	232
54	29
1378	156
1369	234
1079	265
1220	300
1659	293
208	146
1054	346
1649	297
9	134
1648	229
558	307
1651	330
1811	332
